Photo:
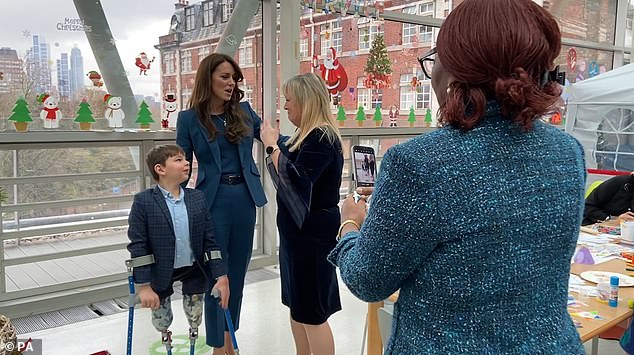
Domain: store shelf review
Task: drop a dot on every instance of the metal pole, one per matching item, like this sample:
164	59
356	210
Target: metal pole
107	56
237	26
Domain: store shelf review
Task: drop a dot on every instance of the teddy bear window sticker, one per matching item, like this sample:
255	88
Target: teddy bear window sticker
50	114
113	113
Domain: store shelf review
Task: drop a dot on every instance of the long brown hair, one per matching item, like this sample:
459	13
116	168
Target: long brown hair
498	49
238	121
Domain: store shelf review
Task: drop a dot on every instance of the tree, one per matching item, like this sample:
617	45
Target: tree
412	117
428	119
3	195
341	116
21	115
378	67
378	117
144	117
84	116
360	116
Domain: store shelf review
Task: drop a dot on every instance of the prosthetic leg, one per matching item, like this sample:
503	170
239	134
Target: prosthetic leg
193	306
161	320
130	265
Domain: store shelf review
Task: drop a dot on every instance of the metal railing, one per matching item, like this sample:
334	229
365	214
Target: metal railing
82	291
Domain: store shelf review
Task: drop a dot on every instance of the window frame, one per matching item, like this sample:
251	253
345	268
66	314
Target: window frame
208	13
190	18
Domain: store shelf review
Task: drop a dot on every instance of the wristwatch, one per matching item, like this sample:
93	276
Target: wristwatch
271	149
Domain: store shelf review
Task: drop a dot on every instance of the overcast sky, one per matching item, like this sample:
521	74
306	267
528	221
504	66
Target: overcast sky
135	24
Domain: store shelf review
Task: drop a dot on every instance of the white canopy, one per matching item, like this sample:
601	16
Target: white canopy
600	115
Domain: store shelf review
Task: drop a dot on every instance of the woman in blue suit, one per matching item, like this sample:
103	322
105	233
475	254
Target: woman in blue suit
219	130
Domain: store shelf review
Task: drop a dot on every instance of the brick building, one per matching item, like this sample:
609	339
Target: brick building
12	70
196	29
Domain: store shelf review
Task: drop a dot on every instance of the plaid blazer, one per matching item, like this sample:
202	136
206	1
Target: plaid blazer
151	231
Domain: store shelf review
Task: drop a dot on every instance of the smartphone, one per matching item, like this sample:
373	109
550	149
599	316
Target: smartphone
363	165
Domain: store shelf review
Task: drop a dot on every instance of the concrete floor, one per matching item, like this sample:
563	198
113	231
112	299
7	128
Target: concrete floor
264	329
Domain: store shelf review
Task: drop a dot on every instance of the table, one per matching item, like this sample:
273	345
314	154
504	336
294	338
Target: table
591	327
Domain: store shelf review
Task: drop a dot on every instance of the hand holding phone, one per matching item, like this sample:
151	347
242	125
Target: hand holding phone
363	165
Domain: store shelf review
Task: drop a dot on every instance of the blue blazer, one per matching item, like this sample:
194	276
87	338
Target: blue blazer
193	137
151	232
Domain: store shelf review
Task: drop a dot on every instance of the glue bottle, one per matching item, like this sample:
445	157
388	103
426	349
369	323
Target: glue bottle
614	291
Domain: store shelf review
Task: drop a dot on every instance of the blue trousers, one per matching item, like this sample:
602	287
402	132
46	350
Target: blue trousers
233	218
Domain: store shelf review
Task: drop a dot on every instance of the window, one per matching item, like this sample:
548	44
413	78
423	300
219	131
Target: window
425	34
203	52
426	9
368	98
186	61
368	33
418	97
208	13
169	62
303	47
186	93
245	52
190	19
248	93
331	36
227	8
409	30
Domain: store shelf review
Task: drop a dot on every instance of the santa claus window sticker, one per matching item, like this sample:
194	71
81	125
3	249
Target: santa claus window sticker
143	62
333	73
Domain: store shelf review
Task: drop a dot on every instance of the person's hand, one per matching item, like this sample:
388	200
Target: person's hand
222	285
148	297
356	210
269	134
627	216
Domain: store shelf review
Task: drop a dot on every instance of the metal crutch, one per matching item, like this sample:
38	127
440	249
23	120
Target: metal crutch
216	293
130	265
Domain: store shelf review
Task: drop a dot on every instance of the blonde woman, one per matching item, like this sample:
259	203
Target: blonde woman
306	169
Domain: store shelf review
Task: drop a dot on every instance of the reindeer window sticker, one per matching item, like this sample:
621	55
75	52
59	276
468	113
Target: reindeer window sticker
50	113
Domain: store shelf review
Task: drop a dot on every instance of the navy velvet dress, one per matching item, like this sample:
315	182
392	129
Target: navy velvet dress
308	218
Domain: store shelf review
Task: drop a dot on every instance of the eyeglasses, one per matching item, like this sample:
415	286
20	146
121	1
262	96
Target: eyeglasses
427	62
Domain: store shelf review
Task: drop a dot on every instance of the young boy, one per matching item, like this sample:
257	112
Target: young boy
174	225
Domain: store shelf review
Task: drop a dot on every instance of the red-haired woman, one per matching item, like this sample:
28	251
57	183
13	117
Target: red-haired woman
476	222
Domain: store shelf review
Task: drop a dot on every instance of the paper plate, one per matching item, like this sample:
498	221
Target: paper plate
597	276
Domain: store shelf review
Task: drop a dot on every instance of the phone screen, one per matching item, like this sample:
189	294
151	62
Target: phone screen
364	165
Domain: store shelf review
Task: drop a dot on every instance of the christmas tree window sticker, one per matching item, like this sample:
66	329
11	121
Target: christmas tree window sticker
360	116
144	117
378	67
378	116
84	116
21	115
428	120
341	116
412	117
